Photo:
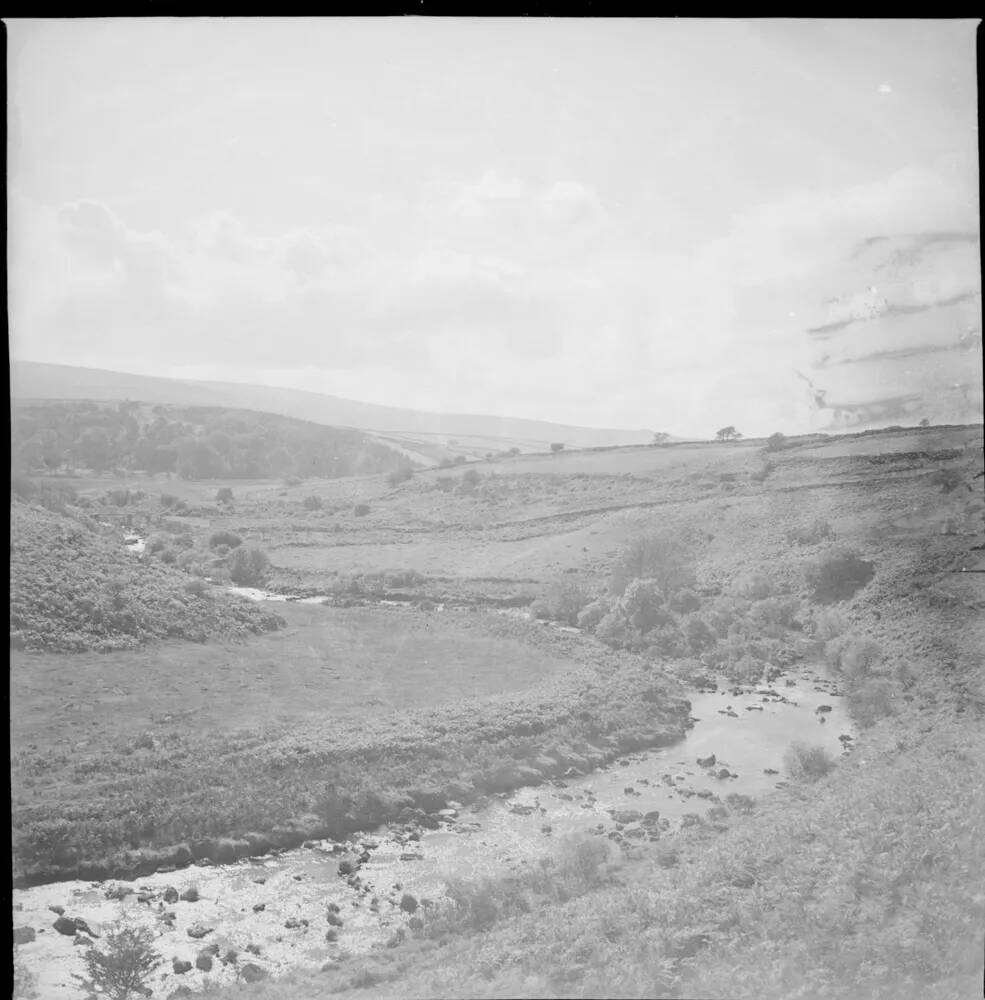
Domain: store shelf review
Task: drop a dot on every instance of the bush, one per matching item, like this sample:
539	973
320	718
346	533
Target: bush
871	700
401	475
762	473
684	602
248	566
227	538
837	576
590	615
361	509
563	601
753	587
642	604
776	442
470	479
947	479
807	763
168	500
613	630
445	483
312	503
224	495
656	557
827	624
699	636
122	968
556	446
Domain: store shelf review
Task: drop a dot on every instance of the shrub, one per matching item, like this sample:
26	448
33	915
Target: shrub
197	588
227	538
947	479
312	503
684	601
590	615
556	446
122	967
248	566
871	700
613	630
761	474
562	601
699	636
746	670
656	557
641	604
360	510
445	483
470	479
224	495
401	475
168	500
836	576
807	763
776	442
828	623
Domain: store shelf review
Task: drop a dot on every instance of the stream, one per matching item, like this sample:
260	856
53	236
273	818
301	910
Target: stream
279	904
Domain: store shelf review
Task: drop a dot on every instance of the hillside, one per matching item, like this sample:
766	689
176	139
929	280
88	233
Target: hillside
203	442
31	380
74	589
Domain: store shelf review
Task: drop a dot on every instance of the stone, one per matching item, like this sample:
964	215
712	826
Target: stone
252	973
230	957
408	903
24	935
334	919
259	907
346	867
293	923
199	930
627	816
180	966
66	926
822	708
82	939
707	761
331	934
57	909
170	894
190	895
204	962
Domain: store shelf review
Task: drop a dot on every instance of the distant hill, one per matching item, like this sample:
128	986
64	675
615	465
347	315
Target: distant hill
424	435
196	442
896	334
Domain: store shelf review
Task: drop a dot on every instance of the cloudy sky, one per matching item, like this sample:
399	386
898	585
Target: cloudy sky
609	223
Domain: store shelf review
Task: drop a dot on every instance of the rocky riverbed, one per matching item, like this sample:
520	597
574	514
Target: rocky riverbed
320	902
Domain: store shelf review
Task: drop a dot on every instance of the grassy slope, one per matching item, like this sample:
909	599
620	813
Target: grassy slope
74	589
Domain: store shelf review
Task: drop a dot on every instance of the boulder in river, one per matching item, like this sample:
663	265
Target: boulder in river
199	930
707	761
203	962
408	903
822	708
627	816
179	966
57	909
67	926
170	894
190	895
24	935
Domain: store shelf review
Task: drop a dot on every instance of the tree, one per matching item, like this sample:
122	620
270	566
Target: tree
775	442
925	422
660	437
727	434
122	968
557	446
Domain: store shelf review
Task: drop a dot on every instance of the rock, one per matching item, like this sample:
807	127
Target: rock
298	878
707	761
822	708
252	973
210	949
190	895
347	867
259	907
627	816
293	923
333	919
82	939
57	909
230	957
117	892
331	934
411	857
364	857
408	903
769	770
204	962
170	894
333	907
260	880
651	817
723	773
66	926
180	967
24	935
199	930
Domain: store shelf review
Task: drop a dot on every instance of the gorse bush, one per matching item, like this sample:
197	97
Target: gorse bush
807	763
121	969
248	566
563	601
224	494
837	576
227	538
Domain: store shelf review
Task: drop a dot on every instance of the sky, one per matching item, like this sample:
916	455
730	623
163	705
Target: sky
610	222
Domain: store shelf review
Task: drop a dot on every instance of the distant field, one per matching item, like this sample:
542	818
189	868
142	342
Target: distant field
329	663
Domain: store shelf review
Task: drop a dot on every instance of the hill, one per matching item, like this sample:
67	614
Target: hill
203	442
30	380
